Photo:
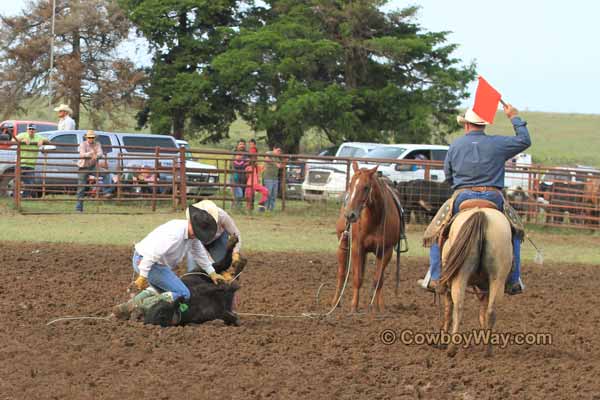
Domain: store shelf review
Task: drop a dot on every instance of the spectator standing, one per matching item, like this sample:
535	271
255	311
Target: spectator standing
30	143
90	152
253	174
65	122
273	167
252	149
240	162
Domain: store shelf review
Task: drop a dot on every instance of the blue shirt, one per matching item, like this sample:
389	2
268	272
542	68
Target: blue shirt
477	159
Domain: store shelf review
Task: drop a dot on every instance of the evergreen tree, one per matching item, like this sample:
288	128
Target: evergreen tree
344	67
183	94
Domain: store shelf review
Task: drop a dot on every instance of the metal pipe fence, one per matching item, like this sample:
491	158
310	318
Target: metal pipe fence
173	178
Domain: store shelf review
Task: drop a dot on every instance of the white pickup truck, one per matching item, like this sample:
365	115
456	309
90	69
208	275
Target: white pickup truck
327	180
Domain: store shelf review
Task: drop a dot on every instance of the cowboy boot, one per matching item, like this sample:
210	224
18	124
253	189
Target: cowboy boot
124	310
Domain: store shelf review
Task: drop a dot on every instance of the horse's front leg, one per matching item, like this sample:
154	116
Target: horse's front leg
358	257
342	253
382	262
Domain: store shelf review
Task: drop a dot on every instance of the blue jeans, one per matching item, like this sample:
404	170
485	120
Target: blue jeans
216	249
435	256
27	177
163	278
272	186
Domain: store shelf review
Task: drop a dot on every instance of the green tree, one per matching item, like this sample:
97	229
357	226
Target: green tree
346	68
86	72
183	93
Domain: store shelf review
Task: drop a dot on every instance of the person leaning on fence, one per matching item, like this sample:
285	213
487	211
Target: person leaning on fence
475	168
155	257
216	245
240	162
65	122
90	153
273	167
30	141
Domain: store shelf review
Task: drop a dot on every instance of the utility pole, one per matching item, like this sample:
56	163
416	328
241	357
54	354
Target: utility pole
51	59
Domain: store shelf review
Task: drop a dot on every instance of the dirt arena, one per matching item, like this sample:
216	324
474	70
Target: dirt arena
341	357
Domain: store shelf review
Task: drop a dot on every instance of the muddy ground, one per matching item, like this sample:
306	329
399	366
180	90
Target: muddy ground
340	357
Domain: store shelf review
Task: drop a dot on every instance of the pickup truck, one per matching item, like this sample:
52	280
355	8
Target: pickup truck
113	144
328	180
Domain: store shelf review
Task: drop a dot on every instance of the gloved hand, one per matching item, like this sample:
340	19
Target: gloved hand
238	262
216	277
141	283
227	276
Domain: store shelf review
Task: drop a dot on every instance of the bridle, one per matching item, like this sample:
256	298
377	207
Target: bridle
364	202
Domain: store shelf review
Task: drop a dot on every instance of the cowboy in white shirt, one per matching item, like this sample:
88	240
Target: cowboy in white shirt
155	257
65	122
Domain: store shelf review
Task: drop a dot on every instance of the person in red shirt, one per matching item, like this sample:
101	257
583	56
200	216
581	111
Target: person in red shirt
253	184
252	149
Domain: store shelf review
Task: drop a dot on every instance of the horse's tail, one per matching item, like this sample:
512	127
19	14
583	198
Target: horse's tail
470	237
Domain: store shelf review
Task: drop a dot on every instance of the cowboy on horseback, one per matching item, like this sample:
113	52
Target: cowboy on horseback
474	167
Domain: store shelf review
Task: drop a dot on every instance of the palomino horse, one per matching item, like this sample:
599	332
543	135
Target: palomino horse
478	253
370	212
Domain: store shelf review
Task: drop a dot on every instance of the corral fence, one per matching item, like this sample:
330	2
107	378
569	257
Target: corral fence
168	179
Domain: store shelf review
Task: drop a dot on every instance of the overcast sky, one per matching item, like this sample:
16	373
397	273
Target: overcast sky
540	54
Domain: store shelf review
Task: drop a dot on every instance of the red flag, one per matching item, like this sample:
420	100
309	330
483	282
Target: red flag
486	101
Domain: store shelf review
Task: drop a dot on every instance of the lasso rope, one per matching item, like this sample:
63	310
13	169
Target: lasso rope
78	318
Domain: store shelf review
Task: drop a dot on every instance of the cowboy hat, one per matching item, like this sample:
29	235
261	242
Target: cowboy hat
471	118
64	107
204	222
210	207
90	134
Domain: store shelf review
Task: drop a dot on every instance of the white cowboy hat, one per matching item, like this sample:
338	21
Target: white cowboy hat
64	107
470	117
210	207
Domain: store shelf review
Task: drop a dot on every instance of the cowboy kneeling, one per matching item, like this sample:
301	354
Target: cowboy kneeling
155	257
474	167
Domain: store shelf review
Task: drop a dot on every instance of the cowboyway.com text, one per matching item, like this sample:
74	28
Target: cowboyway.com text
464	339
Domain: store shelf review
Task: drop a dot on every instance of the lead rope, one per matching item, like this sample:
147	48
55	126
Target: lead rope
348	231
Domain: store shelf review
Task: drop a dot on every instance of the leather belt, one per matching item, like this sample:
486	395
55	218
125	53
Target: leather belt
481	188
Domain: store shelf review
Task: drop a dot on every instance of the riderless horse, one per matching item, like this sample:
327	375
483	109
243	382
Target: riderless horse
371	217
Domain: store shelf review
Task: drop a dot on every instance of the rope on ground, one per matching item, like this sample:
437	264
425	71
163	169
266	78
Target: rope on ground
337	303
78	318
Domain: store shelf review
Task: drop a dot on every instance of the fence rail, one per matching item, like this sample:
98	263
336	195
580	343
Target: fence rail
552	196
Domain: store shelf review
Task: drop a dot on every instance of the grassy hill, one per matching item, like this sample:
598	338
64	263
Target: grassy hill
558	139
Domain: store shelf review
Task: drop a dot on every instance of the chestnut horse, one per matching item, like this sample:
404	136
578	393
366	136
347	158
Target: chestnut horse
369	210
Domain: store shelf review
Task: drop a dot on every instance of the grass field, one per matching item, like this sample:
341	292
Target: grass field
299	229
